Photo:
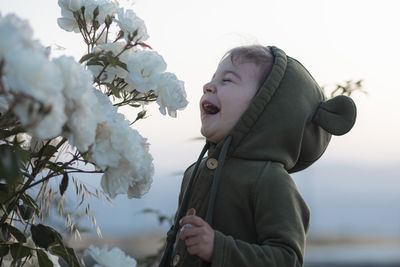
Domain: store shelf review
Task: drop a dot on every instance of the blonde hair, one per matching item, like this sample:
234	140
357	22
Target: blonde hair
257	54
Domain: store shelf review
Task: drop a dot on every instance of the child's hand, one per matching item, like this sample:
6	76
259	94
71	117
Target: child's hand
198	236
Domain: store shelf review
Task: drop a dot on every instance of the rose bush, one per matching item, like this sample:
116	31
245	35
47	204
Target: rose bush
59	117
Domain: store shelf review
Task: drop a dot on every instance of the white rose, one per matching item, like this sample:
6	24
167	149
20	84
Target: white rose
80	103
15	34
109	258
77	81
42	125
144	67
107	110
102	153
39	81
106	8
70	5
32	74
170	93
133	175
67	21
121	152
129	23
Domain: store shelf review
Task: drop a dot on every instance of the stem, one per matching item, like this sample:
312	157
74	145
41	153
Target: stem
80	171
126	47
95	40
83	33
107	33
28	185
26	259
94	36
72	168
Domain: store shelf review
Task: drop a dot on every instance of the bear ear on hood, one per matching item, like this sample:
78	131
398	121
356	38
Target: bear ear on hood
337	115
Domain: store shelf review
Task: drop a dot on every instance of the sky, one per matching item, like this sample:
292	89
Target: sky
335	40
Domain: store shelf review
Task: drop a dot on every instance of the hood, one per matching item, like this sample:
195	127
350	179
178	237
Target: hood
289	119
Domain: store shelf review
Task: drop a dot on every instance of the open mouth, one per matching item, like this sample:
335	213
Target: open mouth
210	108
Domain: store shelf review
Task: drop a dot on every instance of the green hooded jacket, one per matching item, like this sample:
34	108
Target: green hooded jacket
257	213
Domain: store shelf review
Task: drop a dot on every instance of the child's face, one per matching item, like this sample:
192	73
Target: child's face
227	96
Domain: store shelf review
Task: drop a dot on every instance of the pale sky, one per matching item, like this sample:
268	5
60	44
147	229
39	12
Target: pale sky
336	41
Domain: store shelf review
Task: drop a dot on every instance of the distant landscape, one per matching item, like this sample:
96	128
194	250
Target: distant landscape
355	215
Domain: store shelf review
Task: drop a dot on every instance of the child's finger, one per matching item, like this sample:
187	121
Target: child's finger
190	232
193	220
192	241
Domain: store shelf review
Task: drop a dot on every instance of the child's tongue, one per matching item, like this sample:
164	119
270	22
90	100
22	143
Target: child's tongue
210	108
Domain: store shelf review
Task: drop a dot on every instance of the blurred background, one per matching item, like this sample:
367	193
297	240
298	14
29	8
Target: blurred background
353	191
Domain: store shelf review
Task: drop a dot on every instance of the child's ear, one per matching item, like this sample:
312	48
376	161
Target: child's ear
337	115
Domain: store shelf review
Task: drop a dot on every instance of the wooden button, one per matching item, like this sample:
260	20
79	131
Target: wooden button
212	163
191	211
176	260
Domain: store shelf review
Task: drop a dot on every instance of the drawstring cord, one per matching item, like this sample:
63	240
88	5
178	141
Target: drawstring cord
171	235
173	231
217	177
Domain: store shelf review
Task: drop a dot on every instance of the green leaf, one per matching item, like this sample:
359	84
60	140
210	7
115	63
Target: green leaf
94	63
64	183
43	259
5	234
9	164
121	64
19	251
26	211
23	155
4	250
114	90
85	157
4	193
45	236
16	233
67	253
49	150
134	105
29	201
86	57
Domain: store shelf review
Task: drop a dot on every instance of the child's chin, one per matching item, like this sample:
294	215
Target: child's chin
206	132
206	117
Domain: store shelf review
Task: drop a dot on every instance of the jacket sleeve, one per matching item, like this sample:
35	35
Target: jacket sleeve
281	221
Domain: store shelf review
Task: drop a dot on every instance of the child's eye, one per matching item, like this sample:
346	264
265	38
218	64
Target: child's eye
226	80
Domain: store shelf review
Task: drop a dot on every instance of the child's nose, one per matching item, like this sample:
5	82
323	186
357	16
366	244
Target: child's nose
209	88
